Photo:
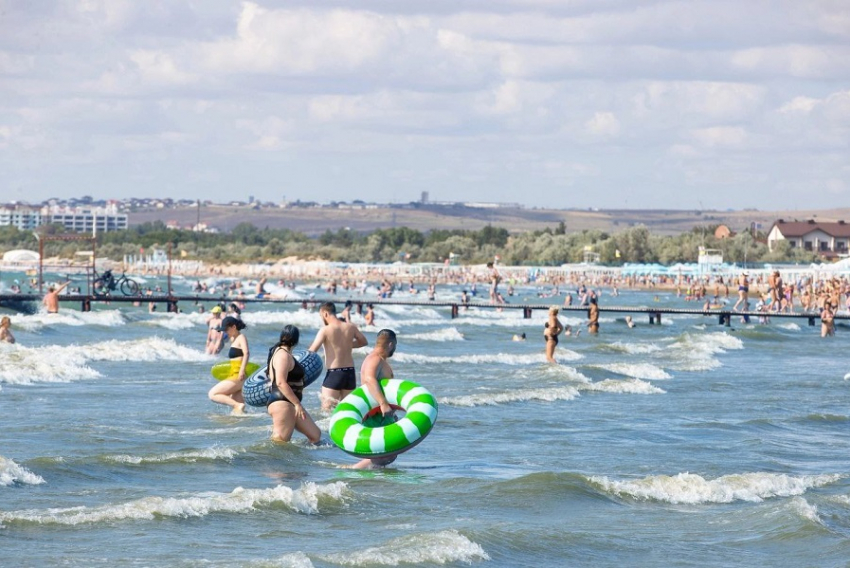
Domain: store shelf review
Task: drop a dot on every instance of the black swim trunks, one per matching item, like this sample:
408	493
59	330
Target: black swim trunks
553	338
340	379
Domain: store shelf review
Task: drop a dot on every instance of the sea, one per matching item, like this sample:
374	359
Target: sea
681	444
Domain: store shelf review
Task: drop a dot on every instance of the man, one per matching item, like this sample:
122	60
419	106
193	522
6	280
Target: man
51	299
375	367
495	278
593	316
338	338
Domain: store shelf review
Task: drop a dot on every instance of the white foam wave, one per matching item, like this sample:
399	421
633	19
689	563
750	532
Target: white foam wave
494	398
696	352
147	349
689	488
447	334
805	509
215	453
790	325
637	370
176	321
501	358
51	364
636	348
442	547
105	318
11	473
302	500
631	386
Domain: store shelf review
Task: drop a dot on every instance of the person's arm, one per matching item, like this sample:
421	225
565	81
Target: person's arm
317	342
62	287
359	339
245	355
368	376
281	362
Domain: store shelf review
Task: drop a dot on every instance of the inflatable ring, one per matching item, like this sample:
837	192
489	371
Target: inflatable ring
350	427
258	387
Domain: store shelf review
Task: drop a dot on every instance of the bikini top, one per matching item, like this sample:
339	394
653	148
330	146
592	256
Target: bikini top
235	353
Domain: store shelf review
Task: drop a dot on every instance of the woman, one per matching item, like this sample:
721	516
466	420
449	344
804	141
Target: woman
5	331
827	319
287	377
229	391
551	330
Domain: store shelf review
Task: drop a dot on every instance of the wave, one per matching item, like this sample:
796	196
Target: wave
696	352
447	334
176	321
304	500
495	398
689	488
190	456
12	473
805	510
441	547
500	358
635	348
104	318
789	326
146	349
631	386
637	370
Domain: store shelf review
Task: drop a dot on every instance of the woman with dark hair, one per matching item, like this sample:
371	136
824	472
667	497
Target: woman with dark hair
229	391
287	377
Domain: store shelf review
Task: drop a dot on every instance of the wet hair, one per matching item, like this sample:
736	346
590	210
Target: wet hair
230	320
5	321
328	307
289	336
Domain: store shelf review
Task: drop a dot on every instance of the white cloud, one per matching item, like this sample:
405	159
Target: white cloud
721	137
603	124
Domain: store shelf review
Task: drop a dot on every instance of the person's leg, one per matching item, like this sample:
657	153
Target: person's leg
223	393
283	420
307	427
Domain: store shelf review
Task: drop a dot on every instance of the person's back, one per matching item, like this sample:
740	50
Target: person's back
339	339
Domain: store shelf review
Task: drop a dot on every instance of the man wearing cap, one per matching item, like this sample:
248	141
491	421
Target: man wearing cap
215	337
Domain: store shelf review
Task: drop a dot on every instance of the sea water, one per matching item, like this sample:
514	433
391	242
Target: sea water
681	444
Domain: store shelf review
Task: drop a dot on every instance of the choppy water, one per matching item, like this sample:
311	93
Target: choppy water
685	444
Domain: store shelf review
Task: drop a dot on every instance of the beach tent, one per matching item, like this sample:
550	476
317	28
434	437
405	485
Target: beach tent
20	256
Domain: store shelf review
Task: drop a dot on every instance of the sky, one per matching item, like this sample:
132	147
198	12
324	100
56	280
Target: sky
692	104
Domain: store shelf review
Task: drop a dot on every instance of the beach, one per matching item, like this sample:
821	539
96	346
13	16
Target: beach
681	444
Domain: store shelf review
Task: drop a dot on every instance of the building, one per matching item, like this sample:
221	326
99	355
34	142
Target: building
723	232
826	239
86	219
24	217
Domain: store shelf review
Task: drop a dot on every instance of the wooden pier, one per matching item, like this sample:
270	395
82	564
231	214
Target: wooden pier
724	317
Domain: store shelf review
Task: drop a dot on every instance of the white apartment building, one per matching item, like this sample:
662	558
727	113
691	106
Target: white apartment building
86	219
24	217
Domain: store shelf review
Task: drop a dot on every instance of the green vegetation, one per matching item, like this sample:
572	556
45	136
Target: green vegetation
247	243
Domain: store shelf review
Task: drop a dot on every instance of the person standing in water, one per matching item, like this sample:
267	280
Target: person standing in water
6	335
51	299
287	376
339	339
229	391
375	367
551	330
593	316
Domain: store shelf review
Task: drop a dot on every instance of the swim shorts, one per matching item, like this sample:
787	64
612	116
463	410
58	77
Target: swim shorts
340	379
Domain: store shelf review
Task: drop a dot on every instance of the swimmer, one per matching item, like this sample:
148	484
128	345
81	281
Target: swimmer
6	335
287	376
229	391
374	368
630	322
552	329
519	337
338	338
51	299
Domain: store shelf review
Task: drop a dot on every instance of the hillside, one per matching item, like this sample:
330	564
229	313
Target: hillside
316	221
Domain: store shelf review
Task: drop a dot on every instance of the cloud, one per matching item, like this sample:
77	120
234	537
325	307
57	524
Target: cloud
474	98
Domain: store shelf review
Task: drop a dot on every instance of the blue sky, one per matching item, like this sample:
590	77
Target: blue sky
573	103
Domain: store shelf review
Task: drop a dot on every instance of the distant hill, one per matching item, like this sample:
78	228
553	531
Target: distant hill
315	221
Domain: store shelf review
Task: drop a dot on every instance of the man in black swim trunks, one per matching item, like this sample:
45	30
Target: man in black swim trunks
338	338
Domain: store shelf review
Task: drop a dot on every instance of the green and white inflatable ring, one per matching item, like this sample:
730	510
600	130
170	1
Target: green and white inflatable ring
358	427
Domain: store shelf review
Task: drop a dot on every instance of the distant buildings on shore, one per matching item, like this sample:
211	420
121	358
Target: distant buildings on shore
74	219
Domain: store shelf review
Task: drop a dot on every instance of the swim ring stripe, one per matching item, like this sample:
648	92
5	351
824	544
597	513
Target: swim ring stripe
348	432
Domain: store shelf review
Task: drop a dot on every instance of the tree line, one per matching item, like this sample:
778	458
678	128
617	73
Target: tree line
550	246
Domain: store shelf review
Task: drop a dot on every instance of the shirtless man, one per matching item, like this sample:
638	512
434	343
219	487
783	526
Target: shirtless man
495	278
743	291
51	299
338	338
374	368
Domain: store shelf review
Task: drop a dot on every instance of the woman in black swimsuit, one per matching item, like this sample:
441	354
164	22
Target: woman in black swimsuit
229	391
552	329
287	377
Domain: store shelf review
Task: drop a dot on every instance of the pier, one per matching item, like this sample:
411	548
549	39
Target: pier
654	315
